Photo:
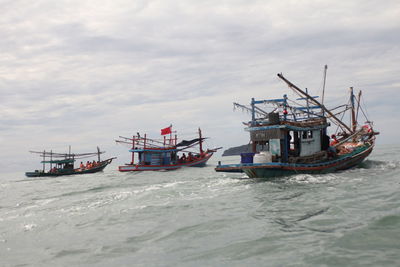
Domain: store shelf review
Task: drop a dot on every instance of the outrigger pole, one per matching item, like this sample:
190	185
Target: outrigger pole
291	85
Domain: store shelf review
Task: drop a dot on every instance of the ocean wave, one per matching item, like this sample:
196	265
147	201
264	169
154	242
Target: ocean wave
311	178
29	227
380	165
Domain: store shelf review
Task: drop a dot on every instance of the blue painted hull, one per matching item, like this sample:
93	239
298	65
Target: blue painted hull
276	169
201	162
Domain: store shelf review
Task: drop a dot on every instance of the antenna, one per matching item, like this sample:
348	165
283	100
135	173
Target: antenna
323	86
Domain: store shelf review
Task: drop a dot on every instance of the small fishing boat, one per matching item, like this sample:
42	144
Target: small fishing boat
292	138
165	153
63	163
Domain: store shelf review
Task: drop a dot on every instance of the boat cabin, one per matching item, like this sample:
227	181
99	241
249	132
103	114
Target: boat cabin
156	156
282	137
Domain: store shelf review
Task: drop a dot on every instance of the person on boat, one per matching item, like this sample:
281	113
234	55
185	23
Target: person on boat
94	164
88	165
325	142
332	152
334	141
183	158
288	141
81	166
190	156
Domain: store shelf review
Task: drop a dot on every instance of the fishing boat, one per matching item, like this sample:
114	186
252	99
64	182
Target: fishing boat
165	153
60	164
293	137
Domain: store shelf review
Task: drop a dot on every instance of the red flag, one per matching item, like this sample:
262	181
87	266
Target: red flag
166	130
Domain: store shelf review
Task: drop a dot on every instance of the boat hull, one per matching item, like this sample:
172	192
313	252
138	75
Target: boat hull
275	169
201	162
70	172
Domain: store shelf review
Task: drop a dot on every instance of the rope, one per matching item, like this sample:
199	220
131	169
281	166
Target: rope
362	110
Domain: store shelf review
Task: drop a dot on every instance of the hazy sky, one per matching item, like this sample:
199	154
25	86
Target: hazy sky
82	73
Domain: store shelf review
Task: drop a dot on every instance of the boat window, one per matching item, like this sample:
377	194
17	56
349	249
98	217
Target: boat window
307	135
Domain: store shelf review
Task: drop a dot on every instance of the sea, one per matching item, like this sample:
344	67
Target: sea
198	217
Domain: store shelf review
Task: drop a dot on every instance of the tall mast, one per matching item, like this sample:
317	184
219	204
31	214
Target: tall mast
44	159
308	105
358	103
353	114
291	85
253	112
200	142
133	147
98	154
323	86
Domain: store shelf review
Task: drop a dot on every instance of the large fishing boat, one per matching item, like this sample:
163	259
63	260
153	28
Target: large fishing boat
293	137
165	153
63	163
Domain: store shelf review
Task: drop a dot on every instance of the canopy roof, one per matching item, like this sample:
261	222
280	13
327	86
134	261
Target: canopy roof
189	142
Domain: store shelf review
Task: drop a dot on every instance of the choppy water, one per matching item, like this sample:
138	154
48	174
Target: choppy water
196	217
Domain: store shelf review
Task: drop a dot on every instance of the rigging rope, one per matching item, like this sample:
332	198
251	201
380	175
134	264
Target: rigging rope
362	110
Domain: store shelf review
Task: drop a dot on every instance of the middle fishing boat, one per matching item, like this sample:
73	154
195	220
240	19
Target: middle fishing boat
165	153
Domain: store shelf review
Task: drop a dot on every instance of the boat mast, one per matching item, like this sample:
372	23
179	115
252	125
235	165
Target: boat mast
323	86
308	105
44	159
200	142
353	114
98	154
133	147
358	103
291	85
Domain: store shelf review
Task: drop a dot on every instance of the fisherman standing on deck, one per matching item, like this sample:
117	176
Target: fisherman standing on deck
334	141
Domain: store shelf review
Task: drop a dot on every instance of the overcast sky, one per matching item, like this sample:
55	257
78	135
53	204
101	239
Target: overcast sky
82	73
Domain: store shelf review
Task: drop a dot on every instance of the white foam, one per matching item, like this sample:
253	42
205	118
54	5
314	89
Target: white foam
29	227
